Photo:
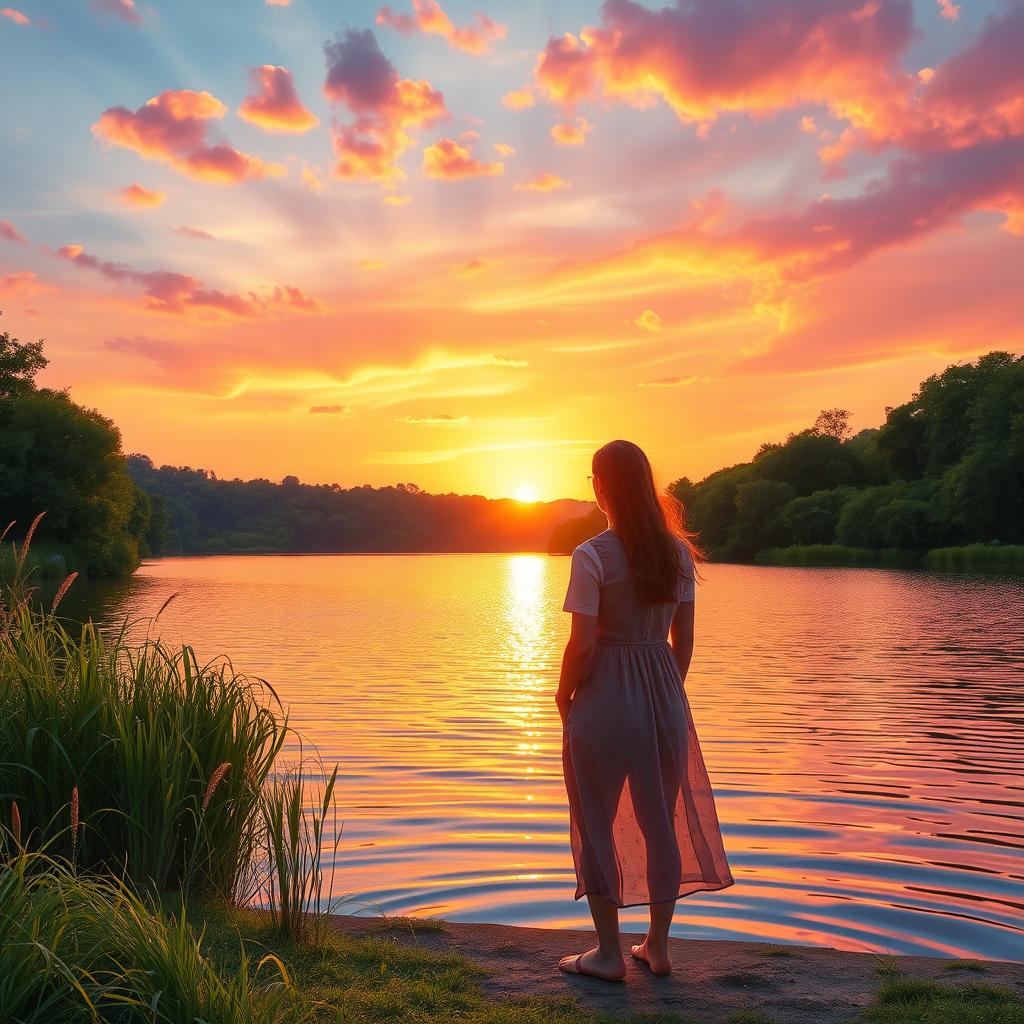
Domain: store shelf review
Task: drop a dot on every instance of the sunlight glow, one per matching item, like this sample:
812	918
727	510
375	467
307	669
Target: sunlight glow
526	493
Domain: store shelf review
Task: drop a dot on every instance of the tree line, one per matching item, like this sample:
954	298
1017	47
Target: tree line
944	469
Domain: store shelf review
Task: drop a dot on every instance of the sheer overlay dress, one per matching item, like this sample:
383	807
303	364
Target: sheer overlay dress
642	820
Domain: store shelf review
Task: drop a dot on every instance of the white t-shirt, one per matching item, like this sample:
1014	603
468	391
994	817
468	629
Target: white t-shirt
586	577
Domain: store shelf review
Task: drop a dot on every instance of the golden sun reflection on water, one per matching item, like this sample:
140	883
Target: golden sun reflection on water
862	737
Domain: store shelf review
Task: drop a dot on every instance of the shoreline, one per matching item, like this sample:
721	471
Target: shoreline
713	979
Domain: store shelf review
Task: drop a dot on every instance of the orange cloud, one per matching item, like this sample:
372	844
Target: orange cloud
648	320
519	99
362	78
394	200
21	284
167	291
309	177
440	420
333	410
171	128
274	104
544	182
502	149
141	198
448	160
13	14
123	9
471	268
428	17
10	233
571	134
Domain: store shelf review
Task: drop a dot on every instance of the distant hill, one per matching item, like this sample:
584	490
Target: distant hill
195	512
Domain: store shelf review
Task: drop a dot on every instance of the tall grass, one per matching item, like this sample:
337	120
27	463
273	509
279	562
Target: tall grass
291	881
75	949
131	759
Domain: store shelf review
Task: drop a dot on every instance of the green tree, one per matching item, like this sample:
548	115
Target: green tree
19	364
64	460
812	519
759	523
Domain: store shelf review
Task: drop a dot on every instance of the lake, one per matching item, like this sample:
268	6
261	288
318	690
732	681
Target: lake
863	730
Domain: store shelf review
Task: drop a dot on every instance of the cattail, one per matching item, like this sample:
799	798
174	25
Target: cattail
74	823
62	590
16	823
218	774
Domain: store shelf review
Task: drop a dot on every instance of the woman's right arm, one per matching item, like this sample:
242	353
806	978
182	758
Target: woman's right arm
681	632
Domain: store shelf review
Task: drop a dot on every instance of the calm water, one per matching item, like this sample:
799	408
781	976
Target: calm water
863	730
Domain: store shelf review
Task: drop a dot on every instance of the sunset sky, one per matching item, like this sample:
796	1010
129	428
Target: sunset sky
463	245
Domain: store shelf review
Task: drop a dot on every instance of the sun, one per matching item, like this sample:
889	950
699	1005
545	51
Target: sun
526	493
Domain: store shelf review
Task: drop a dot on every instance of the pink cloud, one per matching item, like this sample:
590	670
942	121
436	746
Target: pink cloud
21	284
167	291
706	59
919	196
428	17
141	198
386	106
13	14
949	10
172	129
274	104
10	233
197	233
448	160
123	9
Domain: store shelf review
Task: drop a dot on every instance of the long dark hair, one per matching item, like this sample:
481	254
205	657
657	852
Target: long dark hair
649	521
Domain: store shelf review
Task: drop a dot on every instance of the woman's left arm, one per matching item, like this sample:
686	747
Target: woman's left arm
576	659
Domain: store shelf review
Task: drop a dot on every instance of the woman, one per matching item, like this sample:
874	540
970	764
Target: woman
642	815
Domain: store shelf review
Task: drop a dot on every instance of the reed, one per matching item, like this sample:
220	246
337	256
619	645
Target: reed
977	558
296	832
132	759
835	555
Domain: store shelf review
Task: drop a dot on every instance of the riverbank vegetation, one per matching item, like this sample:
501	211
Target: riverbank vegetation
940	484
134	778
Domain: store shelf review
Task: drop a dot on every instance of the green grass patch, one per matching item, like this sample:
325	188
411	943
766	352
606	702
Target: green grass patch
964	965
887	967
905	1001
377	978
750	1017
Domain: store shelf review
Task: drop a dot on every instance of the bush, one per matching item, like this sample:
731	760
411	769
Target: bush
977	558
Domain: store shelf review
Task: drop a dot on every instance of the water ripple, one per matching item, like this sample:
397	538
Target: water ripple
862	729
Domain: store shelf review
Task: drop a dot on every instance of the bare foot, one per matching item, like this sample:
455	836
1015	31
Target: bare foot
659	963
594	964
